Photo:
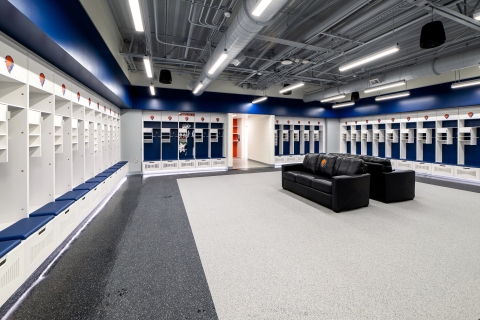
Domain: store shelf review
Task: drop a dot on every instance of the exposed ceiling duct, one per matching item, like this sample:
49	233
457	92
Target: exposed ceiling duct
242	30
432	67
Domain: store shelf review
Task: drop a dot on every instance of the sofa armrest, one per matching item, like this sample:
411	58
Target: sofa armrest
399	185
350	192
292	167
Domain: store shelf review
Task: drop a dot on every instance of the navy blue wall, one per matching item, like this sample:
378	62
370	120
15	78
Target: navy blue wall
184	100
62	33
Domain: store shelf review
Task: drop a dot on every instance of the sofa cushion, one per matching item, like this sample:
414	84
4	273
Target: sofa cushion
387	165
310	162
291	175
324	185
306	179
349	166
325	165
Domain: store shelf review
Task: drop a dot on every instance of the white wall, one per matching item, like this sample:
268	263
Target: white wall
332	133
261	145
132	139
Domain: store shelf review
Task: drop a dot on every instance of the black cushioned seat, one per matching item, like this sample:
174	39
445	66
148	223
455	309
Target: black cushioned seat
291	175
306	179
323	185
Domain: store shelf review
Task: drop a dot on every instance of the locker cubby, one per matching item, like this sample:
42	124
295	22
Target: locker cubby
63	107
166	135
41	101
214	135
4	115
35	133
13	92
198	135
355	136
444	135
407	135
467	136
379	135
147	135
296	135
306	136
89	115
367	135
346	136
275	138
58	131
74	134
424	136
78	154
392	135
63	161
86	134
77	111
202	147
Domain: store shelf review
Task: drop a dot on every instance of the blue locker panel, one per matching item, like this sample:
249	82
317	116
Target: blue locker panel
412	148
170	150
217	126
307	147
277	127
296	127
189	154
411	125
359	147
449	124
429	149
472	153
286	144
348	128
151	151
396	150
359	127
395	125
349	147
171	125
472	123
201	125
316	147
217	147
429	125
381	126
381	149
201	148
369	148
369	127
296	147
449	152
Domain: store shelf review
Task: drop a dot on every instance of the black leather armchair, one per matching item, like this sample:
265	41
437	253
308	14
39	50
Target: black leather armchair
344	187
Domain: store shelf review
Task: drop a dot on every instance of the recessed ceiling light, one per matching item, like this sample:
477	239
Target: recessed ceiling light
370	57
287	62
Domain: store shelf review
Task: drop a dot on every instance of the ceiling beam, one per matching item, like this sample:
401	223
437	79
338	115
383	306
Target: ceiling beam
294	44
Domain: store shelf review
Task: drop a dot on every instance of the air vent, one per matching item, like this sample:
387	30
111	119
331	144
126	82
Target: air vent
374	81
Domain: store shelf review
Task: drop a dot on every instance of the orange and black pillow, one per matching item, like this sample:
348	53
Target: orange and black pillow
325	165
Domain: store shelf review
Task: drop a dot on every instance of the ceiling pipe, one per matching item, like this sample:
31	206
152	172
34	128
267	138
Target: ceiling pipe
436	66
242	30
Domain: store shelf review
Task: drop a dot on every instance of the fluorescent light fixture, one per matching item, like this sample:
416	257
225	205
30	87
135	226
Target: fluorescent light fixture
292	87
259	100
343	104
261	6
386	86
476	15
217	64
136	14
371	57
148	66
152	90
465	84
393	96
200	85
333	98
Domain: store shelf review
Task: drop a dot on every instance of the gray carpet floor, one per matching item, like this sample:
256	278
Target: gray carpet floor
270	254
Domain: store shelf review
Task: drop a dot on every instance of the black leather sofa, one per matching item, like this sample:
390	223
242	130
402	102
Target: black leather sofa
386	185
335	182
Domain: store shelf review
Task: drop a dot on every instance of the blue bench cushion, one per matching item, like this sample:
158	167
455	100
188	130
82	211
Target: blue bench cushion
24	228
86	186
97	179
72	195
110	171
122	162
52	208
104	175
7	246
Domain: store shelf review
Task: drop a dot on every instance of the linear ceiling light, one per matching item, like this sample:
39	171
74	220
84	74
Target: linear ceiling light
152	90
386	86
261	6
200	85
136	14
371	57
476	15
333	98
343	104
465	84
148	66
219	61
393	96
293	86
259	99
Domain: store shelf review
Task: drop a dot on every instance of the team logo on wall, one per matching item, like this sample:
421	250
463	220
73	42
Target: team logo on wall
470	114
152	117
379	120
355	122
98	105
89	102
318	122
308	122
324	162
393	119
288	121
104	108
408	118
64	89
169	117
426	117
110	111
345	122
218	119
277	121
447	116
42	79
186	118
202	119
366	121
78	96
9	63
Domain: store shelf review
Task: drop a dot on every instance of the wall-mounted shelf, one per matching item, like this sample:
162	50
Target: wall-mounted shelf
354	136
198	135
296	135
58	123
392	135
214	135
147	135
166	135
467	136
379	135
346	136
316	135
284	135
4	115
74	134
306	136
367	135
95	137
34	133
444	135
275	137
424	135
407	135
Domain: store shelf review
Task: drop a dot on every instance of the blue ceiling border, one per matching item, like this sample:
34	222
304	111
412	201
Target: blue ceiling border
62	33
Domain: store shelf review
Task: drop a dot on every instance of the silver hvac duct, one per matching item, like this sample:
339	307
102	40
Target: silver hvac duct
241	31
436	66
